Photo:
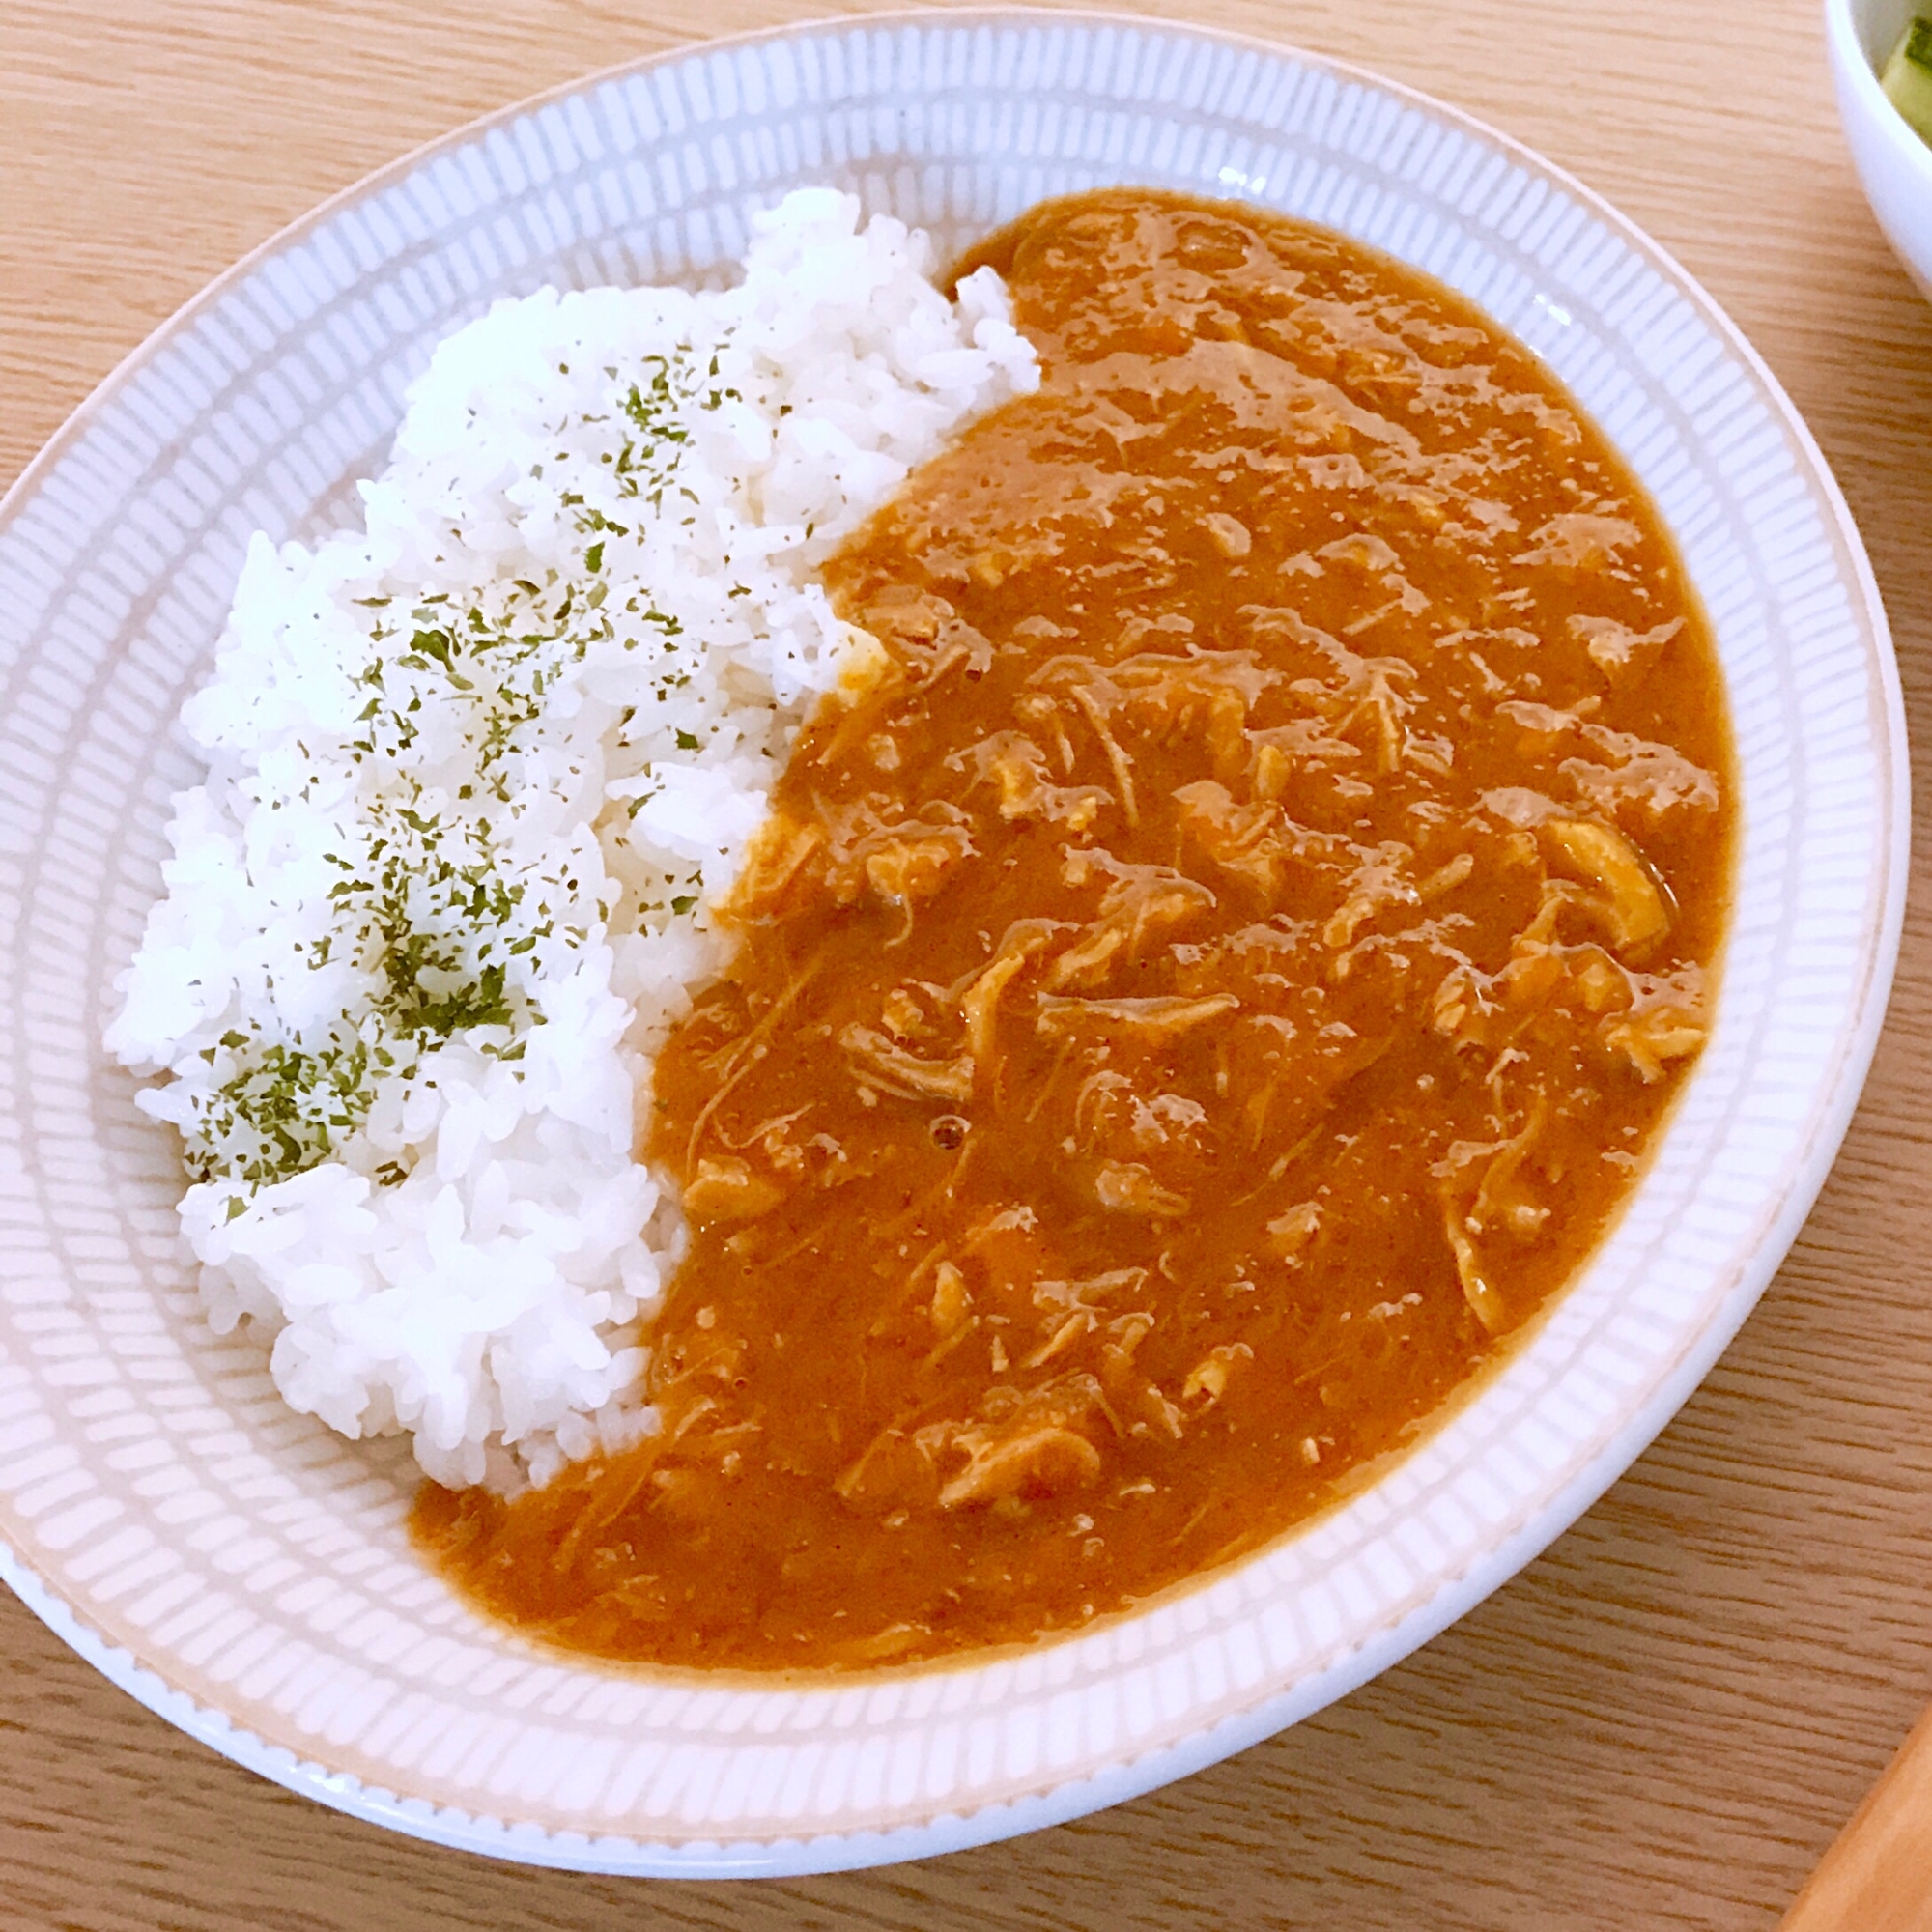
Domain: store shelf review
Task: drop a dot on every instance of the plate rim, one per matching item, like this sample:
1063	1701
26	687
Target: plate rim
1878	941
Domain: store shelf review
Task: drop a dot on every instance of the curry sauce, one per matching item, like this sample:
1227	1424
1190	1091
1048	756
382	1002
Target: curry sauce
1206	984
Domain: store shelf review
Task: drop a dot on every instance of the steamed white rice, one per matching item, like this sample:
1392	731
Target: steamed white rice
476	773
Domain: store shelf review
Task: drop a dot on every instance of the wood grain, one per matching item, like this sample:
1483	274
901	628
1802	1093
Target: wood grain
1878	1876
1662	1722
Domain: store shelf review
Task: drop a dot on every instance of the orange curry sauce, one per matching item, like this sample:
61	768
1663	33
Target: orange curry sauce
1214	983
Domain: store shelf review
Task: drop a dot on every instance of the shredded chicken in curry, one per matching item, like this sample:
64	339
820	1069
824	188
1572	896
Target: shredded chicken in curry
1210	986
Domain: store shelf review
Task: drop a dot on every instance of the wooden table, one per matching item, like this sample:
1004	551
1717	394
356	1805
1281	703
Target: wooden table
1663	1721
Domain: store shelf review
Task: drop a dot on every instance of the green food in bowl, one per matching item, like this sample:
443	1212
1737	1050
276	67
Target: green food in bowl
1907	77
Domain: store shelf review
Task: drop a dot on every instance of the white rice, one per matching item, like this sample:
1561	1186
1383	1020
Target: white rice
475	775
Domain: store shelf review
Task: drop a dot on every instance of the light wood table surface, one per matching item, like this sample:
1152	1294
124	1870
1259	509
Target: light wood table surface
1662	1723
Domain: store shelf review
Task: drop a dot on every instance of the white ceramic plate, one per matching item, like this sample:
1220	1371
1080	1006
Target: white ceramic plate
248	1576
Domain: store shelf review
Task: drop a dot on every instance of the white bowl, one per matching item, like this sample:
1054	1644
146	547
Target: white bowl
248	1575
1893	164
